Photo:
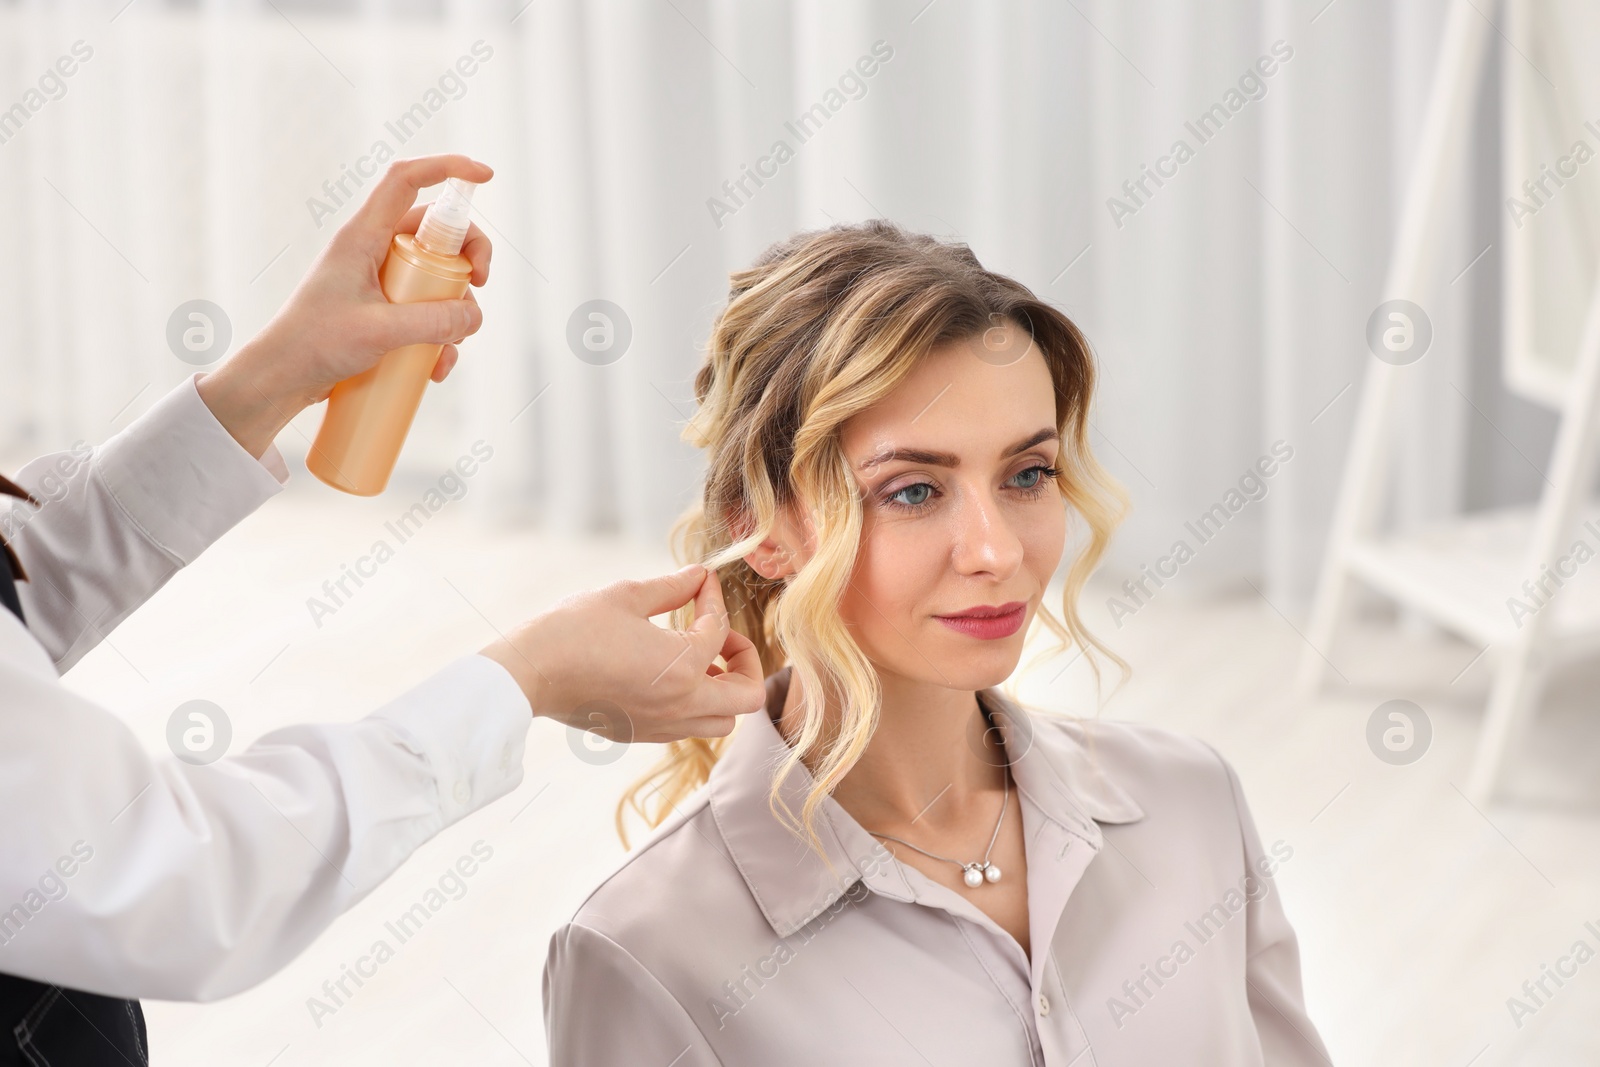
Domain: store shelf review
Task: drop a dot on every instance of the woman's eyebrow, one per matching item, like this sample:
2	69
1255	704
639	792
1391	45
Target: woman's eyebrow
950	459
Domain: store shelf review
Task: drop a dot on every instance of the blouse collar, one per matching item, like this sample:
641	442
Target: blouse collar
1052	761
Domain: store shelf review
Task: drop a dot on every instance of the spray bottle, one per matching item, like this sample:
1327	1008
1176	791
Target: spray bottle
370	414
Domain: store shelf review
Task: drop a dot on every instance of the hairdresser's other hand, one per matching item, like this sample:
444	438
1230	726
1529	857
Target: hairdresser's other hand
597	653
337	322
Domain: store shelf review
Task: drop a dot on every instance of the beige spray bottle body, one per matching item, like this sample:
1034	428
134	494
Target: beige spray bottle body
370	414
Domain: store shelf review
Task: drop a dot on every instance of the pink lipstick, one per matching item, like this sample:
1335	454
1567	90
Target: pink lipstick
988	623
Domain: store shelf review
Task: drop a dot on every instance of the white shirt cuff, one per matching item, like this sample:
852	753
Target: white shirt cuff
180	475
470	722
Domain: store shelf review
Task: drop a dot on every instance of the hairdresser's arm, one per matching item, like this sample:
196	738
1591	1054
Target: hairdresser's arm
118	520
140	877
134	876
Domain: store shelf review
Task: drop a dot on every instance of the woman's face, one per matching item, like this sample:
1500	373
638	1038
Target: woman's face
960	512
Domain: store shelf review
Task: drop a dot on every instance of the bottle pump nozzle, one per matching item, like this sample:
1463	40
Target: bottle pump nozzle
370	413
444	225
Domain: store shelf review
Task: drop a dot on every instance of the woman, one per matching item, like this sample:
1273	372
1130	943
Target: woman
898	863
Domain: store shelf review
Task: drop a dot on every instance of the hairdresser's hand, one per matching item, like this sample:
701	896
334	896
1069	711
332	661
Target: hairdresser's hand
595	661
337	322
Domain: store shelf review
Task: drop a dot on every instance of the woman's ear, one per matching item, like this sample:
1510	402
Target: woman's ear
771	560
775	559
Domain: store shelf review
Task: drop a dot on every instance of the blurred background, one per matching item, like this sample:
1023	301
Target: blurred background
207	150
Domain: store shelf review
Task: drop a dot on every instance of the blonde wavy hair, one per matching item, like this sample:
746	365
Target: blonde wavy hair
822	326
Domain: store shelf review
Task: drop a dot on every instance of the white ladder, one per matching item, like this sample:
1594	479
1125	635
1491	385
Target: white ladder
1460	573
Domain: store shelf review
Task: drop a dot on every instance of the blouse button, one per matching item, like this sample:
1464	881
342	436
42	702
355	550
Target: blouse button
1044	1005
462	792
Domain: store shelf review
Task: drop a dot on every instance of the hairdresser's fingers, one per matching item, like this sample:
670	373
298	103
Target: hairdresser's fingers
470	298
710	625
713	635
655	596
477	248
397	190
411	221
447	360
744	666
437	322
479	251
705	726
737	689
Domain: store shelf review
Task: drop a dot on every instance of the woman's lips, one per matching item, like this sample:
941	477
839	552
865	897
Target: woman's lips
988	627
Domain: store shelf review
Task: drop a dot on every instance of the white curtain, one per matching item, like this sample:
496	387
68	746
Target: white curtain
183	160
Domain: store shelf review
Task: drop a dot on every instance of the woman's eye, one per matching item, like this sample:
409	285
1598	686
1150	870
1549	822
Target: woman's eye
921	491
1040	474
920	495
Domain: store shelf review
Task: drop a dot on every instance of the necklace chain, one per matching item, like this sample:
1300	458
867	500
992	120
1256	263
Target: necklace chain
976	873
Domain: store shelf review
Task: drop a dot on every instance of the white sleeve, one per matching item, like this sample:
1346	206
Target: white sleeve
119	519
140	877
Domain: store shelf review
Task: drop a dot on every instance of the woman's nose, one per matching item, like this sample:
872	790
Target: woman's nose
984	539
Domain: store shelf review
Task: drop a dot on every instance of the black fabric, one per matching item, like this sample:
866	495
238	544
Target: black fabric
48	1026
8	587
10	565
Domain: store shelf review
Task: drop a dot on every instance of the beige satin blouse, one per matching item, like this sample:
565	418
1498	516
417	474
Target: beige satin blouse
1158	936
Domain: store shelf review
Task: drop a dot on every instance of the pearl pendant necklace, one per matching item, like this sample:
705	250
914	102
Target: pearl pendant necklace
976	873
